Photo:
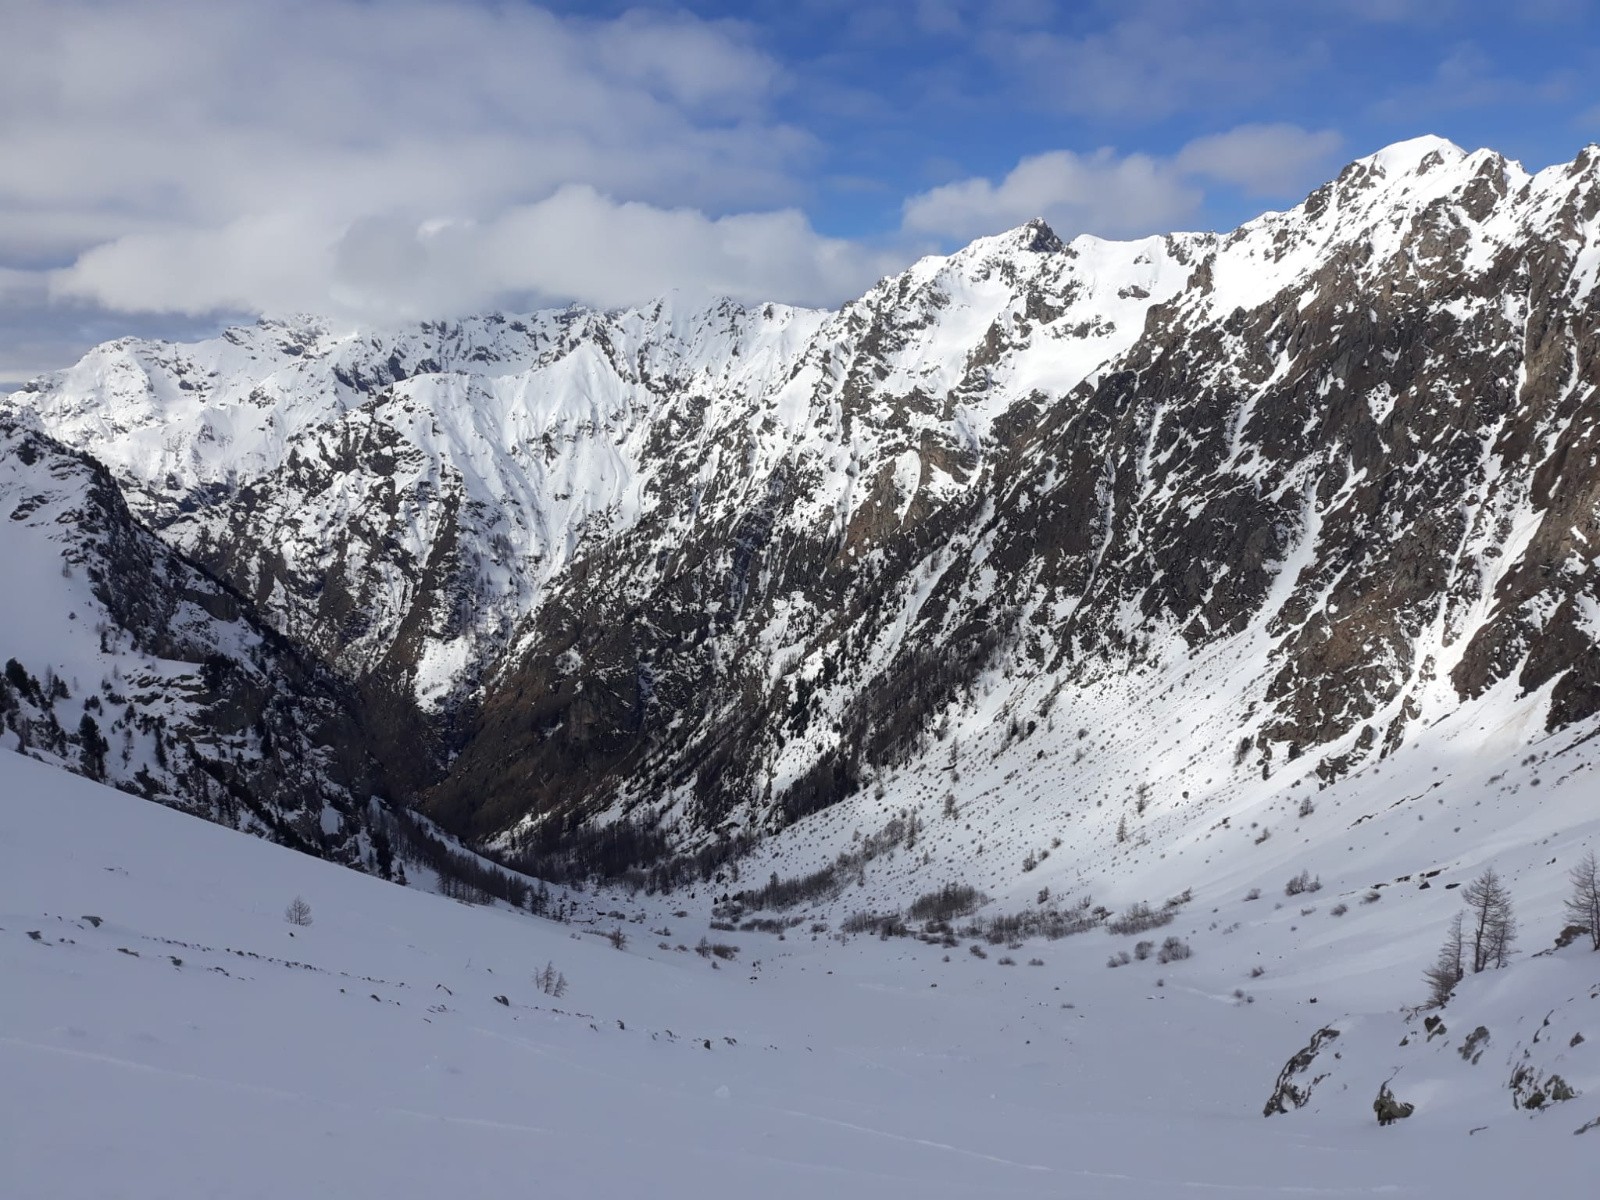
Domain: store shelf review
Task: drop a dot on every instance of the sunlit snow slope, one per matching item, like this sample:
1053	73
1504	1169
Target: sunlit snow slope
164	1032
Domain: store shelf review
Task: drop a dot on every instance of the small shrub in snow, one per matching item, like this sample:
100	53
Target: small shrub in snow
1173	949
298	912
885	925
1302	883
617	938
947	903
1138	918
1005	960
1253	894
1143	950
1049	923
1339	909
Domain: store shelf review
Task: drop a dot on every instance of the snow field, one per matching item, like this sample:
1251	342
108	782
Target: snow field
260	1064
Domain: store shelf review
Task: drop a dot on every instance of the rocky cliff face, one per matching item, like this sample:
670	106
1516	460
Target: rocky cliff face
1294	492
132	665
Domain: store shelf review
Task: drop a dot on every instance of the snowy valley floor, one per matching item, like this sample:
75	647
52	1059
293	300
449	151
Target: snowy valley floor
192	1043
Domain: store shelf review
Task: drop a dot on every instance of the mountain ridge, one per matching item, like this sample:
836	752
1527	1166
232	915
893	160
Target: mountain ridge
715	571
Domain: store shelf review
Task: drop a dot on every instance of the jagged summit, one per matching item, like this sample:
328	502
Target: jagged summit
1040	238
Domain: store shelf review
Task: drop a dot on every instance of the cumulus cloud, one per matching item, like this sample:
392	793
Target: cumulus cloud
411	158
1262	160
577	244
419	156
197	109
1093	193
1116	196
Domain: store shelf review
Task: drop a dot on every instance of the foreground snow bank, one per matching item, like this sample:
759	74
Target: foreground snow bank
187	1041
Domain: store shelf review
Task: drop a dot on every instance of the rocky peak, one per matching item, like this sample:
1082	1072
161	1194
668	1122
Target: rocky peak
1038	237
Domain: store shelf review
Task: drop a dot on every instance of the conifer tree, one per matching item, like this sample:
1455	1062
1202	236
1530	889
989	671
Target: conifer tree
93	746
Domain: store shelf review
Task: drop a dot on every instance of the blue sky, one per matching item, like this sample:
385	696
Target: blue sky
905	96
172	164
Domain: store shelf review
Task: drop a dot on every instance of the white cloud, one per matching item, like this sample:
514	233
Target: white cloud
1263	160
204	110
1077	193
576	244
422	155
427	157
1120	196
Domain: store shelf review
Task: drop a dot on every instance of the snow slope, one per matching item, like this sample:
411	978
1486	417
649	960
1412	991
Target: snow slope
189	1042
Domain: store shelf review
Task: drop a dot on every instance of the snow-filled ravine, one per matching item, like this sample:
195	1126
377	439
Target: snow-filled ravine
165	1032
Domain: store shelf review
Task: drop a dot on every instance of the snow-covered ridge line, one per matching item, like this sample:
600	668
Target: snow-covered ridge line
1321	479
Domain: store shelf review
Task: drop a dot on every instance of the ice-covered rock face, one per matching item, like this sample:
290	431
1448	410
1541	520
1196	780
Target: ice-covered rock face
1296	490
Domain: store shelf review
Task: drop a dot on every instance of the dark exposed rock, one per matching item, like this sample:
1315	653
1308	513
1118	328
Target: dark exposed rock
1296	1081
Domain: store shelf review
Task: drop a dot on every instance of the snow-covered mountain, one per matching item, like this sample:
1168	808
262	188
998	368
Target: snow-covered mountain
1051	601
1188	513
131	665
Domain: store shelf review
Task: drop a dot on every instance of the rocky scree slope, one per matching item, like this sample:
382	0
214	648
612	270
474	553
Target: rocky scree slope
1328	477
